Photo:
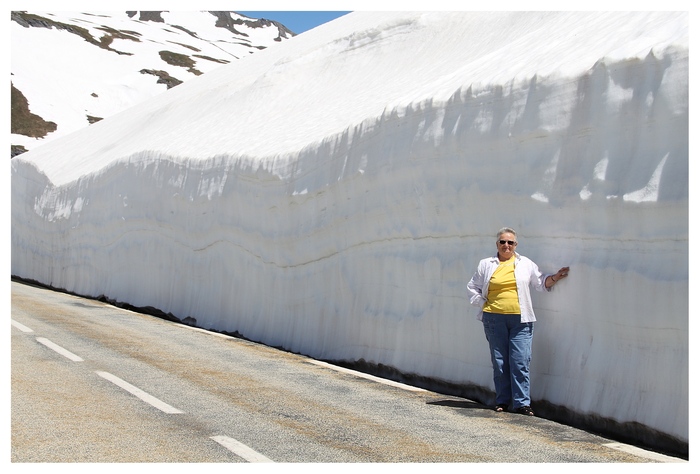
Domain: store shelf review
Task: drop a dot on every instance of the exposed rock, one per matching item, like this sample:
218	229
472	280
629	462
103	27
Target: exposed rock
163	77
23	121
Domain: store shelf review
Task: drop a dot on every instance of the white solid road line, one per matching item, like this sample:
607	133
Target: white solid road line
643	453
323	364
366	376
65	353
21	326
151	400
240	449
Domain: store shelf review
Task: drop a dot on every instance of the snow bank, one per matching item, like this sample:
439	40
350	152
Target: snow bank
334	197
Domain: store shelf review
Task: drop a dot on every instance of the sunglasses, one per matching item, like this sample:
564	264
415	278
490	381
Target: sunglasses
509	242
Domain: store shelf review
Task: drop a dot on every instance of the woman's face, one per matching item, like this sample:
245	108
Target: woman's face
506	244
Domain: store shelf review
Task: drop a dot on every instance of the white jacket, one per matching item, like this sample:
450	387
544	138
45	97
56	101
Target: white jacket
526	274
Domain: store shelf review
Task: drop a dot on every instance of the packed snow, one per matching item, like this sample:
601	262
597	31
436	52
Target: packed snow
334	194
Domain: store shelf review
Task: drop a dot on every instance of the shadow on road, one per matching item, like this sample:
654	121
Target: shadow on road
460	404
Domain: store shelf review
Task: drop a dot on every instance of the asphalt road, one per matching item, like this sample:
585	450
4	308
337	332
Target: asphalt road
92	383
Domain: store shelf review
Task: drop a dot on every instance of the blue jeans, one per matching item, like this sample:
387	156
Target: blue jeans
510	343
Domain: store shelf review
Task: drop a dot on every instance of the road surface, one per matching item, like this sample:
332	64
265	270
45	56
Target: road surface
95	383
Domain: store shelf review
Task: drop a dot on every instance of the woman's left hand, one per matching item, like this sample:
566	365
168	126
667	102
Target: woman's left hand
562	273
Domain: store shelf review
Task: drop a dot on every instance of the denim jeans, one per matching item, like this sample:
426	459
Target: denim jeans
510	343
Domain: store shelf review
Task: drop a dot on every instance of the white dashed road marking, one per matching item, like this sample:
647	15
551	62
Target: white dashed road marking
65	353
231	444
151	400
240	449
21	326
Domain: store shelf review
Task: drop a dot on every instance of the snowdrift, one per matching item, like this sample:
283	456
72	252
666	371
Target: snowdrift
333	195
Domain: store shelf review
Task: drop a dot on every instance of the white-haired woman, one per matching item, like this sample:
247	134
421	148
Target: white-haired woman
500	288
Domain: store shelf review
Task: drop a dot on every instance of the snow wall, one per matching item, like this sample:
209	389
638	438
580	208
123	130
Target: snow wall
360	248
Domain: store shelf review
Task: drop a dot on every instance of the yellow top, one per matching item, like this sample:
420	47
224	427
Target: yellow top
502	297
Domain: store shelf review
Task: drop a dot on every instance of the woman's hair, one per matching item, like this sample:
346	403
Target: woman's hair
506	230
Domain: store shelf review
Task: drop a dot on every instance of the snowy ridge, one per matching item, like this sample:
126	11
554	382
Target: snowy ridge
342	218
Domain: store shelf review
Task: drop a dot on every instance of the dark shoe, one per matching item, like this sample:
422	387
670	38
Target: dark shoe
501	408
525	411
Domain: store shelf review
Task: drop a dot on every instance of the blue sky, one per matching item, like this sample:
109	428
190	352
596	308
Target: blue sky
297	21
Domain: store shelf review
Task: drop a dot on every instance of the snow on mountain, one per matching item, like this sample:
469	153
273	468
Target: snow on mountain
334	194
75	68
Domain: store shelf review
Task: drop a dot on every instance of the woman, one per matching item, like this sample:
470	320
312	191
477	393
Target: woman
501	289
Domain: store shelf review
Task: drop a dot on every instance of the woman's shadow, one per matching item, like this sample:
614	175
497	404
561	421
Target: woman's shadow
459	404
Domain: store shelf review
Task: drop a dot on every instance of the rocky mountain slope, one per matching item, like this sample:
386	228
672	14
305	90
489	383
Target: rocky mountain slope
72	69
